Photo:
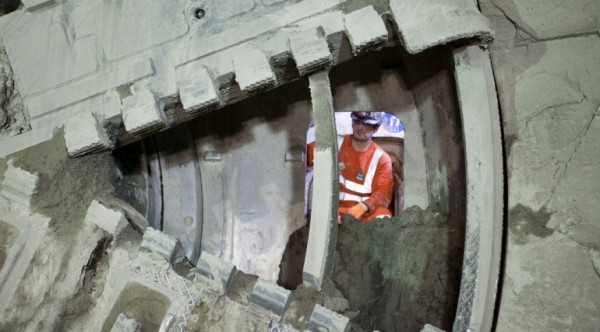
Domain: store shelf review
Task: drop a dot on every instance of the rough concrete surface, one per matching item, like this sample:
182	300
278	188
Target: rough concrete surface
547	73
545	62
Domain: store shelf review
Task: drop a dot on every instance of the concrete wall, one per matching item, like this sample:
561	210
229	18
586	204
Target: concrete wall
429	77
547	71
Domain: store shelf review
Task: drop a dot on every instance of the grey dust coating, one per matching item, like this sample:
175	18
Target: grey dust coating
131	86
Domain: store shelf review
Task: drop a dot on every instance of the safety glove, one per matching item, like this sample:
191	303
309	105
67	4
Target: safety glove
357	210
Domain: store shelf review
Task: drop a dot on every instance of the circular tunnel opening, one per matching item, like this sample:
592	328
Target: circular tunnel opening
242	169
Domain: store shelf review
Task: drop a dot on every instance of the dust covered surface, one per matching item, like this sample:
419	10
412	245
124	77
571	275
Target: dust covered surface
402	273
67	185
71	253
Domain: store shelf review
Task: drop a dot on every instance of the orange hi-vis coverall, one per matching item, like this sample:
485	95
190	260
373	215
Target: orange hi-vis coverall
364	177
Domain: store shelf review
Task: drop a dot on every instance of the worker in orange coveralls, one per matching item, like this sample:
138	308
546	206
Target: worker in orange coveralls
366	179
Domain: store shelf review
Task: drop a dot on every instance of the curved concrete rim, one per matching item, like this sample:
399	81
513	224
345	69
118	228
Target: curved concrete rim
485	189
484	179
476	96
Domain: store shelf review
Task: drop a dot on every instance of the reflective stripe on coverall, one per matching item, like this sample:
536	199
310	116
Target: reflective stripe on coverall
365	177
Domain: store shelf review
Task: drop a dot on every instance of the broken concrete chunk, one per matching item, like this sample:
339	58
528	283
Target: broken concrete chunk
431	328
112	221
83	134
454	20
141	113
196	88
126	324
271	297
137	220
252	71
19	185
365	29
163	244
310	52
215	268
323	319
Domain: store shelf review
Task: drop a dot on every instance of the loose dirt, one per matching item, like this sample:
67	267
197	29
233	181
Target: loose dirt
399	274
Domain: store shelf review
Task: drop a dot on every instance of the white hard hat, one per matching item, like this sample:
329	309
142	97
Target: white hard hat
370	118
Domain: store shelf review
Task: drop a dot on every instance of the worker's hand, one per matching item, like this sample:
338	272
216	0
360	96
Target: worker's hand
358	210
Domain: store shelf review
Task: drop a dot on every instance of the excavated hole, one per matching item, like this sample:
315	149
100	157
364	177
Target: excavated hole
141	303
396	275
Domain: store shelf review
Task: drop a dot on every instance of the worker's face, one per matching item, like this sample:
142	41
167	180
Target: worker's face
363	132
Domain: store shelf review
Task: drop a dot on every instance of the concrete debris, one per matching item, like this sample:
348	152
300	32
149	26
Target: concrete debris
323	319
215	269
252	71
113	222
137	220
271	297
19	185
126	324
431	328
365	29
84	135
163	244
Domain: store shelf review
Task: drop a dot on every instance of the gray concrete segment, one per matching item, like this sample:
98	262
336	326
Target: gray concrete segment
270	296
323	319
323	229
216	269
181	180
485	189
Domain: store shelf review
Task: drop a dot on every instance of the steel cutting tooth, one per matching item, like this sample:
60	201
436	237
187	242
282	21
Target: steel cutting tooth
454	20
310	52
253	72
196	88
365	29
